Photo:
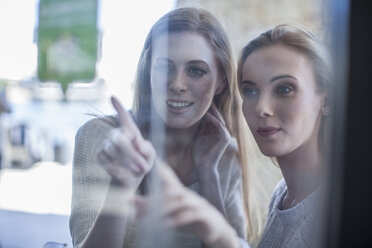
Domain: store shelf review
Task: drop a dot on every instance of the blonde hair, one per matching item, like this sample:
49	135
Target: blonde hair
228	101
304	41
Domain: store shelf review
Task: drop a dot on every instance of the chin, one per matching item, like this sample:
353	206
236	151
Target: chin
178	124
271	151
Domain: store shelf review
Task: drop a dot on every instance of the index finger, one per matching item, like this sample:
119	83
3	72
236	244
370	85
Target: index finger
216	113
124	118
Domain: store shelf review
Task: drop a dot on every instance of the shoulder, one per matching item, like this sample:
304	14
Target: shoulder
89	138
96	128
103	123
278	192
280	187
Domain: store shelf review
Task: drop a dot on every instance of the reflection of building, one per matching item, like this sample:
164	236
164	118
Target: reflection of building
41	126
244	19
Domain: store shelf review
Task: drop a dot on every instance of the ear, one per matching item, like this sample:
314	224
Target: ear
221	86
325	106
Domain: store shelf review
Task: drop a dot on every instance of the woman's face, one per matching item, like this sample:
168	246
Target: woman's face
184	78
281	103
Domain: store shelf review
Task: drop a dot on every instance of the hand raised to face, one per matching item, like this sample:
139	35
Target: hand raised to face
126	155
211	141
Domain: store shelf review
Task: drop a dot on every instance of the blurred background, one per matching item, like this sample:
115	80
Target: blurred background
38	121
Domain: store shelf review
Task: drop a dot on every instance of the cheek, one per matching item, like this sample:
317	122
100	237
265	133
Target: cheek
203	89
247	112
290	113
293	118
158	84
156	79
299	118
153	79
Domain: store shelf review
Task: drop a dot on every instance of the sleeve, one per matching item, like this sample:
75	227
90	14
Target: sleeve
231	184
90	181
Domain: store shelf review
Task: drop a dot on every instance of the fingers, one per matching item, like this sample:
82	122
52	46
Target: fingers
183	218
215	112
109	150
121	160
125	155
146	149
180	200
214	117
119	148
221	129
191	211
103	158
177	206
126	150
126	121
121	175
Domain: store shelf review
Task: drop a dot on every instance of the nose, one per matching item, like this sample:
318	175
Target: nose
178	83
264	106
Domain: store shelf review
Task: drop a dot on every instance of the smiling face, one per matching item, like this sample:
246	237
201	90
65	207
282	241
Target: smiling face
281	103
184	78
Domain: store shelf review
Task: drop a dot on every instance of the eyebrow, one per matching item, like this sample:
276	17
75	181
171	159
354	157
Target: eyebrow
282	76
247	82
271	80
197	61
163	60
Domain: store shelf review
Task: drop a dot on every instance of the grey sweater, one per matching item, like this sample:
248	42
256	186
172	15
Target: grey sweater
291	227
90	184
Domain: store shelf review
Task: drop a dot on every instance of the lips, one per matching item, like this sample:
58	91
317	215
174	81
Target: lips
178	106
267	131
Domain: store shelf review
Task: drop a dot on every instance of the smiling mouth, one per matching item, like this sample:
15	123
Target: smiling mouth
175	104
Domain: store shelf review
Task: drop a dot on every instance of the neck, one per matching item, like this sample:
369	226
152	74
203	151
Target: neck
179	139
301	170
178	145
174	140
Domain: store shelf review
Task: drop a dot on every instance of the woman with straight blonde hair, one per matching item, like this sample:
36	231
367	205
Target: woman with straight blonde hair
284	78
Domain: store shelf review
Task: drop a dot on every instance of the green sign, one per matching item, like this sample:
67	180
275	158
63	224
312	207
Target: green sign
67	41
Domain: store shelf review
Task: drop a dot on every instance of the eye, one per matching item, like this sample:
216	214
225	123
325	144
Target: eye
163	67
284	90
196	71
249	91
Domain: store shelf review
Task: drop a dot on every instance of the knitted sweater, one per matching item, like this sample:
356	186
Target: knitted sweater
291	227
91	181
